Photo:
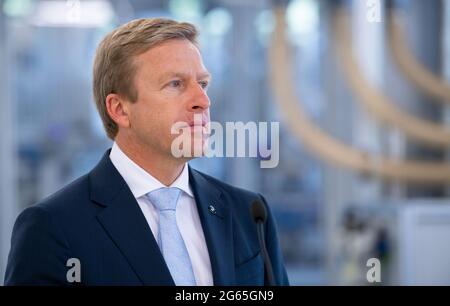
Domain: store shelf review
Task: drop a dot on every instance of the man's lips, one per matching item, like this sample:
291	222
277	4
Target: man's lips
202	124
195	125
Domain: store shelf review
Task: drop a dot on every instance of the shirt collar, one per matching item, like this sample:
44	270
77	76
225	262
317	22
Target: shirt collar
140	181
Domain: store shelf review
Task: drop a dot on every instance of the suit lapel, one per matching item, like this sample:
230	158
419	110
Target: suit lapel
124	222
215	217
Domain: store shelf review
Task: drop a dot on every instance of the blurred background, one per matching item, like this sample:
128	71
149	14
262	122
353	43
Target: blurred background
360	89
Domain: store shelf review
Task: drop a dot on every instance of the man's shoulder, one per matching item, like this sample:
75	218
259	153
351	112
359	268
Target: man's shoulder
63	209
72	194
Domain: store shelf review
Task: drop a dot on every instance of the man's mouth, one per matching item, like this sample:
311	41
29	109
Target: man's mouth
200	124
199	127
196	125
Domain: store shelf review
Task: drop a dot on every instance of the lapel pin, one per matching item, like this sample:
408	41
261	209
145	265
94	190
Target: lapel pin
212	209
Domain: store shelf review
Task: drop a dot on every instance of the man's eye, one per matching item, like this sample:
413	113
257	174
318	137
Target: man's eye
175	83
204	84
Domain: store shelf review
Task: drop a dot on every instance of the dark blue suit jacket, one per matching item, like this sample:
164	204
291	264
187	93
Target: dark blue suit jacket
97	220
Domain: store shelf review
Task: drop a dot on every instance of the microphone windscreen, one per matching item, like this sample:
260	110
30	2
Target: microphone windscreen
258	210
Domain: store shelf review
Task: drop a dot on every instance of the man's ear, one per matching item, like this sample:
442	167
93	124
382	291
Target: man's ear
117	108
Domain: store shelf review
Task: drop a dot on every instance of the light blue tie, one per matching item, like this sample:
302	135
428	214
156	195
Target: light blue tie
169	238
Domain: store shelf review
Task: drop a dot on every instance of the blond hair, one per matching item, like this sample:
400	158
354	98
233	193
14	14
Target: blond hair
114	68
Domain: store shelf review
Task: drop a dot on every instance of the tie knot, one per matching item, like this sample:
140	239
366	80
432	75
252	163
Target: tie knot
165	198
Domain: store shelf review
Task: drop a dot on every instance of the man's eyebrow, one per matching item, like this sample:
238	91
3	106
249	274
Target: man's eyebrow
164	77
169	75
205	75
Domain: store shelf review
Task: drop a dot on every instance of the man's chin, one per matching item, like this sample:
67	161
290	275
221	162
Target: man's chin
190	146
189	155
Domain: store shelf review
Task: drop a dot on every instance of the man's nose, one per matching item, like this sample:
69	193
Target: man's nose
199	100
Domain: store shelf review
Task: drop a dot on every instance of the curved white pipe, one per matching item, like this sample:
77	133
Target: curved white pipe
384	109
326	147
416	72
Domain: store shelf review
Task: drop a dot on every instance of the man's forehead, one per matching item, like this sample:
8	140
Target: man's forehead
172	48
174	57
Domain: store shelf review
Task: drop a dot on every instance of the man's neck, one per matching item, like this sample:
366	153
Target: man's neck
166	170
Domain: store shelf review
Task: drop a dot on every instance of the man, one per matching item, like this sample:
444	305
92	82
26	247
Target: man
142	216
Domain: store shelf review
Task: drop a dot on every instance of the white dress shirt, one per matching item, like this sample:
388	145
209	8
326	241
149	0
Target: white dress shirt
140	183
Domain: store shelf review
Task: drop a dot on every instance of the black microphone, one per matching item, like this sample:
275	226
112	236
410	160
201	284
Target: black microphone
259	215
